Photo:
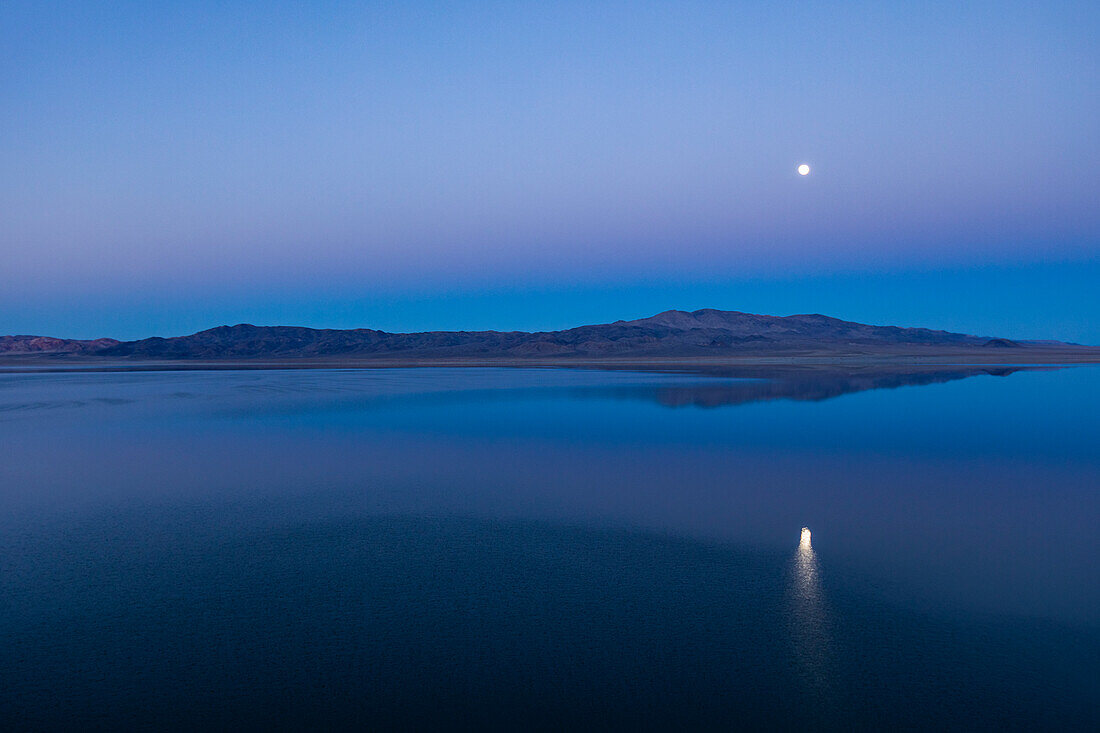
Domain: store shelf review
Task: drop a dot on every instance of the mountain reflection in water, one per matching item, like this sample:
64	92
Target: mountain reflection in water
761	384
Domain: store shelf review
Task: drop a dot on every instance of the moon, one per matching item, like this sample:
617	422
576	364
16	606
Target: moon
803	170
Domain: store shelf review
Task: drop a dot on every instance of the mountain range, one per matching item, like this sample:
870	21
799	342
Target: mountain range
669	334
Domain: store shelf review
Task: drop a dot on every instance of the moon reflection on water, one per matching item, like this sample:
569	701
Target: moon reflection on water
808	621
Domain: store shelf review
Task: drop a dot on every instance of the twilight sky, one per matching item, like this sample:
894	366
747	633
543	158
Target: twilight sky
167	167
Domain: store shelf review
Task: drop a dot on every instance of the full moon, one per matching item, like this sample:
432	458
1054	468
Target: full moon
803	170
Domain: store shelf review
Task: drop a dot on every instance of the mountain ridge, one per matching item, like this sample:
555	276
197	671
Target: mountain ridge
671	333
23	344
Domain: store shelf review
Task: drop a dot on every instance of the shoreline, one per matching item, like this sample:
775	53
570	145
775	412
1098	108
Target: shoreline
932	359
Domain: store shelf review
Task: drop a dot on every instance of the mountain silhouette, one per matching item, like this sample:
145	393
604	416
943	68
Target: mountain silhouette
670	334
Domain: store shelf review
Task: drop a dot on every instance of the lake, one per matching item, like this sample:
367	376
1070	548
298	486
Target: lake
511	548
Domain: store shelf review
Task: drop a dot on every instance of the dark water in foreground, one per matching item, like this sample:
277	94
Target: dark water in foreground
550	548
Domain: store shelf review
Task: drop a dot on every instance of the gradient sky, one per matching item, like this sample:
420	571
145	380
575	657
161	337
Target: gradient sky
167	167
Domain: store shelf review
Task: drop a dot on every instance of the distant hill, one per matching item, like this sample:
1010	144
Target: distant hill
50	345
670	334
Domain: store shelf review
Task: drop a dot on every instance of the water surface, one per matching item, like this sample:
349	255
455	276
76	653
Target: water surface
550	547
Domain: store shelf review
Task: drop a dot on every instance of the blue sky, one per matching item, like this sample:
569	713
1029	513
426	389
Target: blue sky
174	166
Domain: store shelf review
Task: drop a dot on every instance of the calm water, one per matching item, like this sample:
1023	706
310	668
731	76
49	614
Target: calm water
539	548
